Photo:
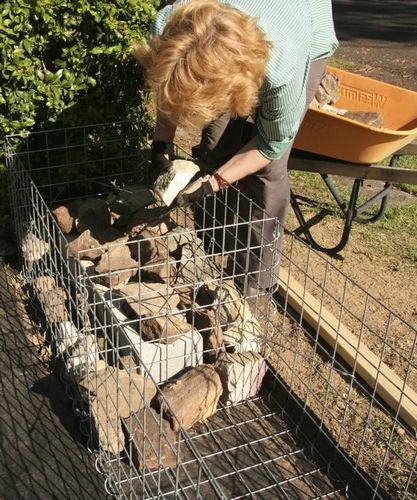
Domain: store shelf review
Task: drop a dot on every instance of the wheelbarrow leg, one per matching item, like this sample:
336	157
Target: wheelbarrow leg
350	214
383	195
332	188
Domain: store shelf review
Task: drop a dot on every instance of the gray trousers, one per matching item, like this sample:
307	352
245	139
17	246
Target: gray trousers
269	189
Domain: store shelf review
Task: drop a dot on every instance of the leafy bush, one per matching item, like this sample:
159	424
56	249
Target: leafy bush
68	62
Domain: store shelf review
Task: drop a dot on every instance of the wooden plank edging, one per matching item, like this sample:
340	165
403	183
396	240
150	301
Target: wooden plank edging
388	385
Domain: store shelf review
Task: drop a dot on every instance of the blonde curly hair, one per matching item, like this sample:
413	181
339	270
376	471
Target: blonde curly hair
210	59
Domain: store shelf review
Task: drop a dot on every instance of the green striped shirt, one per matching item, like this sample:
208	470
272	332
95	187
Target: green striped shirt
301	31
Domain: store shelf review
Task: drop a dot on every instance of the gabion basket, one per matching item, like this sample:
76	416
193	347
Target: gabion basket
186	385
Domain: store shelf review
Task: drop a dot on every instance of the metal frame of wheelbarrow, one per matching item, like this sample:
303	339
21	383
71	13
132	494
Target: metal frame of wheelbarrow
352	212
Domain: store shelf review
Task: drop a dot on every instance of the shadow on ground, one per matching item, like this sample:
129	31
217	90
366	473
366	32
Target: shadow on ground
42	455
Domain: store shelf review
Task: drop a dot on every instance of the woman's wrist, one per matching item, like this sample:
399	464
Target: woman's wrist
218	182
214	184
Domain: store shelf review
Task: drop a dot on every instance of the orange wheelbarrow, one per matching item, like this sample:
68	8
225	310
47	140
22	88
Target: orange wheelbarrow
331	144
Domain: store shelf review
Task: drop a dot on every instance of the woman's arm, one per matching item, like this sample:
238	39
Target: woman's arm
246	162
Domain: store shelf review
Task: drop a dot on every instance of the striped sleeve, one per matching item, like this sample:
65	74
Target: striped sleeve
158	25
278	119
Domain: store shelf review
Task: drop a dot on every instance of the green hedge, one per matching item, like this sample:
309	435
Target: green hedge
68	62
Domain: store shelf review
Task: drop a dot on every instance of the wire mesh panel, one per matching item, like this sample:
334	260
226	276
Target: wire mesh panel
193	381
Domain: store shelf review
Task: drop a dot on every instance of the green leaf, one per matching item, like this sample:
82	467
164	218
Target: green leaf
28	46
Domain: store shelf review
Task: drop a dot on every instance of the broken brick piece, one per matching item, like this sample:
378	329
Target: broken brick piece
117	266
166	329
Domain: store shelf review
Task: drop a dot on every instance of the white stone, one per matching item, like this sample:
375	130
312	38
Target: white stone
241	375
84	356
66	335
170	183
33	248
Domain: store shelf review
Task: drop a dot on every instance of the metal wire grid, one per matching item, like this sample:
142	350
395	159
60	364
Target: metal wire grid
361	424
332	416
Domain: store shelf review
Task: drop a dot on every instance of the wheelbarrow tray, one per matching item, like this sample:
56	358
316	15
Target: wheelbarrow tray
335	136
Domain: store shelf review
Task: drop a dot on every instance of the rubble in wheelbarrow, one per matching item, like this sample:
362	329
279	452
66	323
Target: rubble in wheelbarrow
327	95
183	325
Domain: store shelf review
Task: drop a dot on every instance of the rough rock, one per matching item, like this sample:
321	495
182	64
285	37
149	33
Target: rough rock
224	296
164	271
117	266
107	426
44	283
148	246
66	215
64	219
205	321
191	398
179	236
93	214
160	229
166	329
126	392
85	247
147	299
129	363
147	217
170	183
246	335
241	375
241	329
33	248
152	448
328	90
195	267
53	304
185	293
371	118
90	244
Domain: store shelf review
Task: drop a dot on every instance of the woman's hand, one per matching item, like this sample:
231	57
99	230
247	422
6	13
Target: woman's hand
197	190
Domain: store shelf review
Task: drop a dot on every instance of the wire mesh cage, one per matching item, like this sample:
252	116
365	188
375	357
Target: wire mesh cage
189	380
